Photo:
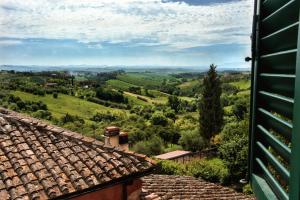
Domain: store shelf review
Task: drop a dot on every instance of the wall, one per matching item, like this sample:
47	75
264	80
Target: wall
115	192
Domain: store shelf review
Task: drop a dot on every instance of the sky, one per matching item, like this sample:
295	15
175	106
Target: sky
125	32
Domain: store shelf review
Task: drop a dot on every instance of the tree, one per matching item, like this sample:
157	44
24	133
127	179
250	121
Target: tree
233	147
191	141
211	111
174	102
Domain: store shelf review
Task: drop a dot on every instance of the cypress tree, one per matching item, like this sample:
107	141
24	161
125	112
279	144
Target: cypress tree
210	108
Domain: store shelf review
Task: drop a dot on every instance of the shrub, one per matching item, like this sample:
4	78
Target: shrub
171	168
154	146
192	140
233	148
71	118
214	170
55	95
159	119
108	116
247	189
43	114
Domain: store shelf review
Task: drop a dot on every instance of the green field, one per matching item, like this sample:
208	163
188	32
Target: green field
145	79
242	85
118	84
67	104
189	84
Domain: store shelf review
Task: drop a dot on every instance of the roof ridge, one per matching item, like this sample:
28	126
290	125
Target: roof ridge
40	124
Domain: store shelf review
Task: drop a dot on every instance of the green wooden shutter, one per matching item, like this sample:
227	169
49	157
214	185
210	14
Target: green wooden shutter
274	156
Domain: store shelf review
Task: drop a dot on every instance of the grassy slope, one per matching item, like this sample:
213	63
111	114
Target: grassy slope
118	84
242	85
67	104
133	97
188	84
144	79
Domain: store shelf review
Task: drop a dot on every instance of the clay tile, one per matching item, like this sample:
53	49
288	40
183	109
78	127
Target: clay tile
34	196
57	130
68	133
98	143
9	184
88	139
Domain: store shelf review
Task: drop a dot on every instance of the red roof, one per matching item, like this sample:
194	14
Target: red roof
42	161
158	187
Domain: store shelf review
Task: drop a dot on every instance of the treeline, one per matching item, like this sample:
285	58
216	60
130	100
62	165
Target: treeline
38	108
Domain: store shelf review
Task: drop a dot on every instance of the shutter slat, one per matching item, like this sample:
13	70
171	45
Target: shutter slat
270	6
280	64
284	173
272	181
276	103
284	16
279	125
279	53
283	150
278	75
287	37
281	84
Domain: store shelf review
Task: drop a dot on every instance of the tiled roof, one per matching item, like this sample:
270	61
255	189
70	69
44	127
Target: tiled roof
161	187
173	154
41	161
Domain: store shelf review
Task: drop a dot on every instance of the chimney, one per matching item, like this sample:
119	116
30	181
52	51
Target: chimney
123	141
115	138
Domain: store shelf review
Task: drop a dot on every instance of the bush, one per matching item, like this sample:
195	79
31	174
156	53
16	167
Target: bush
71	118
192	140
233	148
214	170
43	114
159	119
247	189
169	113
55	95
154	146
110	95
108	116
171	168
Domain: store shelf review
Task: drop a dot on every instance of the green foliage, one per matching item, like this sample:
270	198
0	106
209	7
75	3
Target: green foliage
233	148
171	168
174	103
169	134
240	107
55	95
43	114
170	114
108	116
192	140
213	170
71	118
154	146
229	88
158	118
247	189
211	111
135	90
110	95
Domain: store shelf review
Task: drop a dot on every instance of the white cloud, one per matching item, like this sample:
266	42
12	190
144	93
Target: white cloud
8	42
174	24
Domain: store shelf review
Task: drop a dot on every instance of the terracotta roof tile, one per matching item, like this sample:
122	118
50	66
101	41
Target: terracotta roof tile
186	187
41	161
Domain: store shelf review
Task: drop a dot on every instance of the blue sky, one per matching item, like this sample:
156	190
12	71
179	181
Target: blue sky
125	32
